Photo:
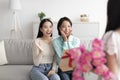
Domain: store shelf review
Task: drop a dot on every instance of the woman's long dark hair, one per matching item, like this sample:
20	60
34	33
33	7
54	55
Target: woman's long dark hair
113	15
61	21
40	34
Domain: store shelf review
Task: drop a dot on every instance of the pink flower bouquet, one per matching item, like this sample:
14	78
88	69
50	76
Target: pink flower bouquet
93	61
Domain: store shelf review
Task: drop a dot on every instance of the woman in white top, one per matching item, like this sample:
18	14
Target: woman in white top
111	38
44	67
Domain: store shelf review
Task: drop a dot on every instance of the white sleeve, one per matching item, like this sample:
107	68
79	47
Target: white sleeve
37	56
110	44
55	66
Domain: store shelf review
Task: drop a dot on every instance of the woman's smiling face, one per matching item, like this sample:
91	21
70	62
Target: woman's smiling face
47	29
66	28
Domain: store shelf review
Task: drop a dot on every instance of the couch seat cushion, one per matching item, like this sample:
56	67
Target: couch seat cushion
15	72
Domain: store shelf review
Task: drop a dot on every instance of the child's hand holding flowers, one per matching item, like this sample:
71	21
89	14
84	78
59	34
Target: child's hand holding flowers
93	60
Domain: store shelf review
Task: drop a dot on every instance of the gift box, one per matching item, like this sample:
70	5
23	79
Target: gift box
67	60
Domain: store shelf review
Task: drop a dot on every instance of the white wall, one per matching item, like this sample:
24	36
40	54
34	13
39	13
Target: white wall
53	9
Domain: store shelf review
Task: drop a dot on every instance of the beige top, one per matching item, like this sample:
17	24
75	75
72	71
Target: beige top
43	53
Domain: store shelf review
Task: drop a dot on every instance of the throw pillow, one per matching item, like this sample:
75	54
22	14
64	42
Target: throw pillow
3	59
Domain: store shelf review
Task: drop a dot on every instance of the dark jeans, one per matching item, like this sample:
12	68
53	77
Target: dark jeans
65	75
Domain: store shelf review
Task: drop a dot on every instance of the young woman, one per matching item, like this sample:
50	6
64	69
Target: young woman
64	42
111	37
44	67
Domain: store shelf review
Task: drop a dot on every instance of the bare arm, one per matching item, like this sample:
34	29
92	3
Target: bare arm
112	63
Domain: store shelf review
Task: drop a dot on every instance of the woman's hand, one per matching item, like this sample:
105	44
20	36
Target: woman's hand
51	72
65	37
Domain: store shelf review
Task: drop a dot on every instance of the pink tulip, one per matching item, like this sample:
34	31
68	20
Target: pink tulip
78	78
99	61
74	52
97	44
109	75
82	48
97	54
77	74
101	69
86	67
86	57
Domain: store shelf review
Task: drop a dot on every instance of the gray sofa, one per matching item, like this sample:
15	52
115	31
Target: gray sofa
19	56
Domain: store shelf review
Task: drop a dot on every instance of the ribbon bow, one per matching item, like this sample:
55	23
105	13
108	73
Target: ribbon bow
69	54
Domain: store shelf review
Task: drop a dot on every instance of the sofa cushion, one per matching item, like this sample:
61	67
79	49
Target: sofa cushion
3	59
19	51
15	72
